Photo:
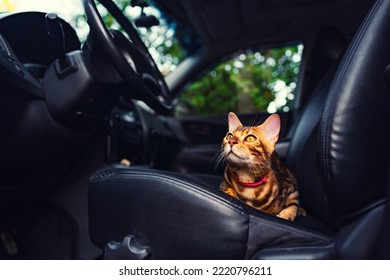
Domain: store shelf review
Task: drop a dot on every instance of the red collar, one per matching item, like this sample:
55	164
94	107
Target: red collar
251	185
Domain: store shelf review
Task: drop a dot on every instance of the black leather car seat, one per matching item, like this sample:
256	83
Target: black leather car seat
339	154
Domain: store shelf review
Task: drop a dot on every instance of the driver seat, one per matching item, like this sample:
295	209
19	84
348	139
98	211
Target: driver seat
338	153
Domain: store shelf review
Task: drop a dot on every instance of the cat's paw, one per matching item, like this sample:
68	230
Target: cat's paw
301	211
231	193
288	213
228	190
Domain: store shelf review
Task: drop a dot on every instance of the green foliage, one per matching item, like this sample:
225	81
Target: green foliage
160	40
248	82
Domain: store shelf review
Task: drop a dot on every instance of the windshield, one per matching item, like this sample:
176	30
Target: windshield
168	41
69	10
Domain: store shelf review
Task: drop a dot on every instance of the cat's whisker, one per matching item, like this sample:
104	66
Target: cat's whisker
220	160
255	123
217	159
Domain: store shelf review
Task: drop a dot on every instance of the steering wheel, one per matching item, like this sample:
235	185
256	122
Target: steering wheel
131	58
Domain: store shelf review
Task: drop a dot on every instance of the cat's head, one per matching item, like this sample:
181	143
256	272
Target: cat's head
250	146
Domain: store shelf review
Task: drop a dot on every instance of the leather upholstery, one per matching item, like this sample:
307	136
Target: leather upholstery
303	154
353	136
339	155
177	217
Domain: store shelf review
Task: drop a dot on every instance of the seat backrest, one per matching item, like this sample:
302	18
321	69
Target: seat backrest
303	153
341	160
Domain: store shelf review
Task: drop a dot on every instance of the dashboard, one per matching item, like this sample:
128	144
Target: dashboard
26	32
49	115
26	50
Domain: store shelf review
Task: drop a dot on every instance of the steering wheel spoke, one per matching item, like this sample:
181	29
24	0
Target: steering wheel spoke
130	58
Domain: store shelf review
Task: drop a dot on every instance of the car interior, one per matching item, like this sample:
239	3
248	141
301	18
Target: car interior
96	164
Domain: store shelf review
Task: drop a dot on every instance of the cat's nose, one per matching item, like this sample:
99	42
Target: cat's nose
232	141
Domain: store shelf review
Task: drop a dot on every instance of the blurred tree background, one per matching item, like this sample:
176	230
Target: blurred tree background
252	80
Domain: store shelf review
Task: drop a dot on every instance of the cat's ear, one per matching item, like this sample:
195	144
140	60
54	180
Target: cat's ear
234	122
271	128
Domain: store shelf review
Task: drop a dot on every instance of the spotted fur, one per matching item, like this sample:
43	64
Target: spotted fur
254	172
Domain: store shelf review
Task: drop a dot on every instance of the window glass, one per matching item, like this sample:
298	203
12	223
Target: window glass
168	42
161	39
70	10
247	82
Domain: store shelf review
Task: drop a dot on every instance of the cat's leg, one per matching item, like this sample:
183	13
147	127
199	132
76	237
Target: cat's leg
291	210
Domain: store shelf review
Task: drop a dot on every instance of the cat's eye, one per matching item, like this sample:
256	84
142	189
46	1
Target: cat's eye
229	136
250	138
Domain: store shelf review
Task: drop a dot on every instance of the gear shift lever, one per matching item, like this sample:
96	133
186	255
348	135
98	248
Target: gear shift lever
57	38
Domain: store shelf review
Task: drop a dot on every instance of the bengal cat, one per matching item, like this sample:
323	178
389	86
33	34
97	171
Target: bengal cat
254	173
